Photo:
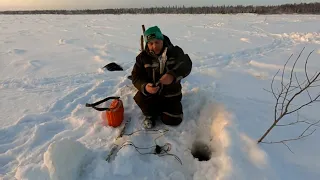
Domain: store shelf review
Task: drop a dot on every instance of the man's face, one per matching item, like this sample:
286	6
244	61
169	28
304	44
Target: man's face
155	46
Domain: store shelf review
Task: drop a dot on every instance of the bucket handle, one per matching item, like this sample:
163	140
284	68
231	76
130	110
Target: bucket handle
93	105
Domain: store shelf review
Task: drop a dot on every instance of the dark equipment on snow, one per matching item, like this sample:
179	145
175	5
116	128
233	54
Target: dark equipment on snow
158	149
113	67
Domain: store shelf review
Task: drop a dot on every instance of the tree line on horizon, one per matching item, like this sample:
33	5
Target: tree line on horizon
301	8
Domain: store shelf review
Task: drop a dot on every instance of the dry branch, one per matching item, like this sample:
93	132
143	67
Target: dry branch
287	94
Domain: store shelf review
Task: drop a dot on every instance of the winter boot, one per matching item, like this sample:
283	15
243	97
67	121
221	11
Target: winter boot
149	122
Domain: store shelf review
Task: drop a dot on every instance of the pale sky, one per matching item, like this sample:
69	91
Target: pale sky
101	4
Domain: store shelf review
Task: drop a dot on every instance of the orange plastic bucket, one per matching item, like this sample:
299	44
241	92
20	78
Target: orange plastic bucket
115	113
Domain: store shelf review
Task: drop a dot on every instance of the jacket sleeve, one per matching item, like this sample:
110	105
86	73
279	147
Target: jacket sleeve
139	76
183	64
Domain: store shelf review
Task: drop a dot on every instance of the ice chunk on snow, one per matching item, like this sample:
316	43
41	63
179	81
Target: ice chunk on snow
64	159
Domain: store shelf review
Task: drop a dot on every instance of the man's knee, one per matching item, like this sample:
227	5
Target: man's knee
147	104
138	98
172	113
171	119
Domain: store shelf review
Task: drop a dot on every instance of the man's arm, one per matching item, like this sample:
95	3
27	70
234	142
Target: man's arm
183	64
139	76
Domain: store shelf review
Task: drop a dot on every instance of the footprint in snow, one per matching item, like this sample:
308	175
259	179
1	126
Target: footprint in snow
34	64
68	41
101	55
17	51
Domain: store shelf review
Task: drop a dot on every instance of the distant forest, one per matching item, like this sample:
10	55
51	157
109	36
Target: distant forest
302	8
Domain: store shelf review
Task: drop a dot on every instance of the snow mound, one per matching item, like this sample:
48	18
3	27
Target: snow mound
311	37
257	156
215	135
269	66
245	40
61	41
65	159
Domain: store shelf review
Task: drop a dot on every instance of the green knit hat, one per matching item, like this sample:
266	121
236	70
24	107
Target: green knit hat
153	33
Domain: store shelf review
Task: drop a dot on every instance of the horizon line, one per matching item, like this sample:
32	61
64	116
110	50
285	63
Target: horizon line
178	6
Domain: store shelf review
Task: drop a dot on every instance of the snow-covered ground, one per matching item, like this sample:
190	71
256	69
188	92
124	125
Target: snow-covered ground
50	68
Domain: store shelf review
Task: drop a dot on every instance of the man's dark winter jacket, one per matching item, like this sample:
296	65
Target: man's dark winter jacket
147	69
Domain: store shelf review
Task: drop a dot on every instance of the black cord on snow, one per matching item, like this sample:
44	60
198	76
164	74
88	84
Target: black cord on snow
152	131
158	150
149	131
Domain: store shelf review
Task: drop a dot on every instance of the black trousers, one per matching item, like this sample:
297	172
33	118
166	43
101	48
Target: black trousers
168	108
